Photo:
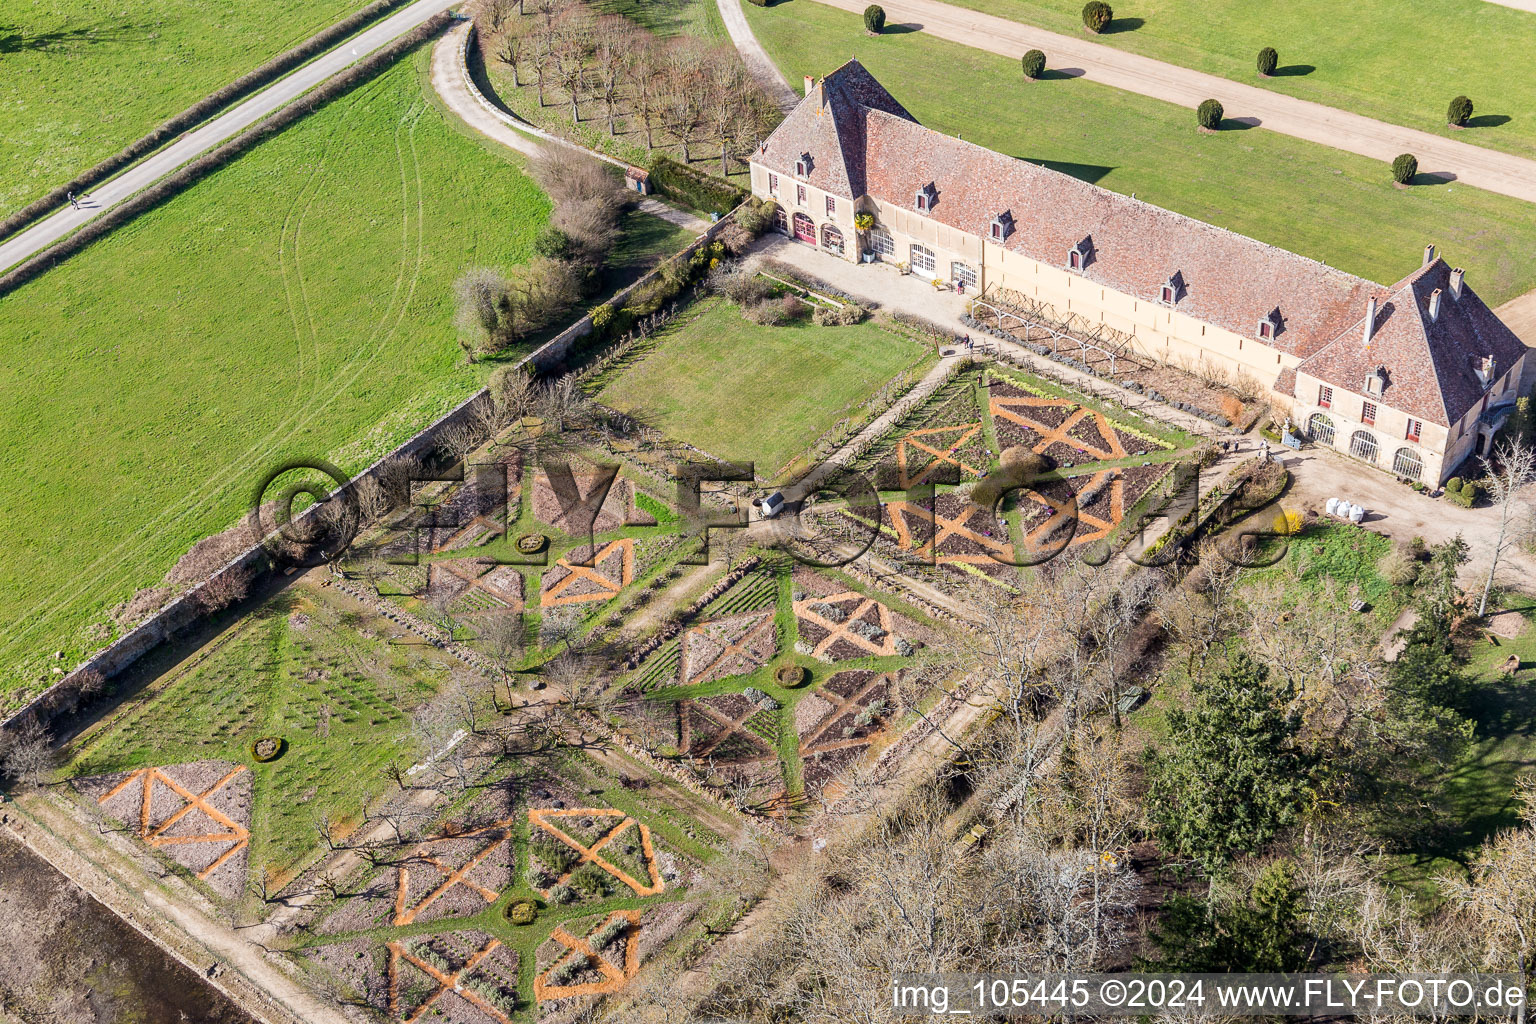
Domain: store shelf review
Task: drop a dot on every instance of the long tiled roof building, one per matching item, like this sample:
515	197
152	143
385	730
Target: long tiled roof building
1412	377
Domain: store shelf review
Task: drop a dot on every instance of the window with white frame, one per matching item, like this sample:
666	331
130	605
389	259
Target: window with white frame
1368	414
1415	428
882	242
1324	395
922	259
831	207
962	274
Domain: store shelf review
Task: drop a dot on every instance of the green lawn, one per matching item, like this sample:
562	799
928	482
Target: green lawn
1308	198
294	305
79	79
1396	60
744	392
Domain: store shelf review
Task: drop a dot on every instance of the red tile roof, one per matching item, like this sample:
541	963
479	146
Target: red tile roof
1430	366
861	141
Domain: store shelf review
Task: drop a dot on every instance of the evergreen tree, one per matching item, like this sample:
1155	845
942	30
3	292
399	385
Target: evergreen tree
1230	777
1262	932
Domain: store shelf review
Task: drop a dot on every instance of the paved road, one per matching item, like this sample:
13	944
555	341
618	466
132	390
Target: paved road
1472	165
759	64
451	82
219	130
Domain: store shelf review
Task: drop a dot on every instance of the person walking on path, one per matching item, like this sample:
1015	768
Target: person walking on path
73	201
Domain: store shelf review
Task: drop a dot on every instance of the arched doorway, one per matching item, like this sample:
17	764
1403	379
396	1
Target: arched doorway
1362	445
805	228
780	221
1320	429
922	259
1406	463
831	239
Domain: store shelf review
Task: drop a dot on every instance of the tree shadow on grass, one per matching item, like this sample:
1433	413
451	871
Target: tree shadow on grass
15	40
1061	74
1293	71
1122	25
902	29
1488	120
1433	178
1239	124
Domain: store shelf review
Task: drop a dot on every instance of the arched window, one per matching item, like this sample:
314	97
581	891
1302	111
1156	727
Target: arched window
882	242
831	239
1320	429
1362	445
922	259
960	273
805	228
1407	464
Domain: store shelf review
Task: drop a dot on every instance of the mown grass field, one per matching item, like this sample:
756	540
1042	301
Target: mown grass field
82	79
296	304
1394	60
764	394
1308	198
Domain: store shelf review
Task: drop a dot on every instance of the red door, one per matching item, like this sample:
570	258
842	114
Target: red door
805	229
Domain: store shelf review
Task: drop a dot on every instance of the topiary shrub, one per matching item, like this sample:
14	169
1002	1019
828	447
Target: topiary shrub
1453	484
1034	64
522	913
531	543
874	19
1459	112
1096	15
1404	167
1268	61
1209	114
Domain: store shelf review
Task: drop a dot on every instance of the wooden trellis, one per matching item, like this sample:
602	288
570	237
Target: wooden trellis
1042	320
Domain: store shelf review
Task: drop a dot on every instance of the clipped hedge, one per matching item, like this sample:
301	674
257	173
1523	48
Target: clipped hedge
1209	115
198	112
703	192
1404	167
206	164
1033	63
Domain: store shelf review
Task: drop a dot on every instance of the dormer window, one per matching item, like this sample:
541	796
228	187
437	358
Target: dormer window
1002	226
1269	326
803	166
1080	254
1376	381
1172	290
926	196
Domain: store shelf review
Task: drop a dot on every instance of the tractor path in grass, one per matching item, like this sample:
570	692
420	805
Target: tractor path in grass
219	130
762	68
1439	158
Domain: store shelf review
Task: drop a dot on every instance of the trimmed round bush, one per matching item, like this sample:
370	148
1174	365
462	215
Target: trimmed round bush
1034	64
1208	114
1459	112
874	19
1453	484
1268	61
531	543
1097	15
1404	167
522	913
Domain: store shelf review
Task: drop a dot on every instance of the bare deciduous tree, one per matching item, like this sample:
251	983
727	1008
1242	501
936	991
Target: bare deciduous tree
477	298
1510	476
27	754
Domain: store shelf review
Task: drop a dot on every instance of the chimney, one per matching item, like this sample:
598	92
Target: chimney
1429	254
810	83
1370	319
1456	276
1434	305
